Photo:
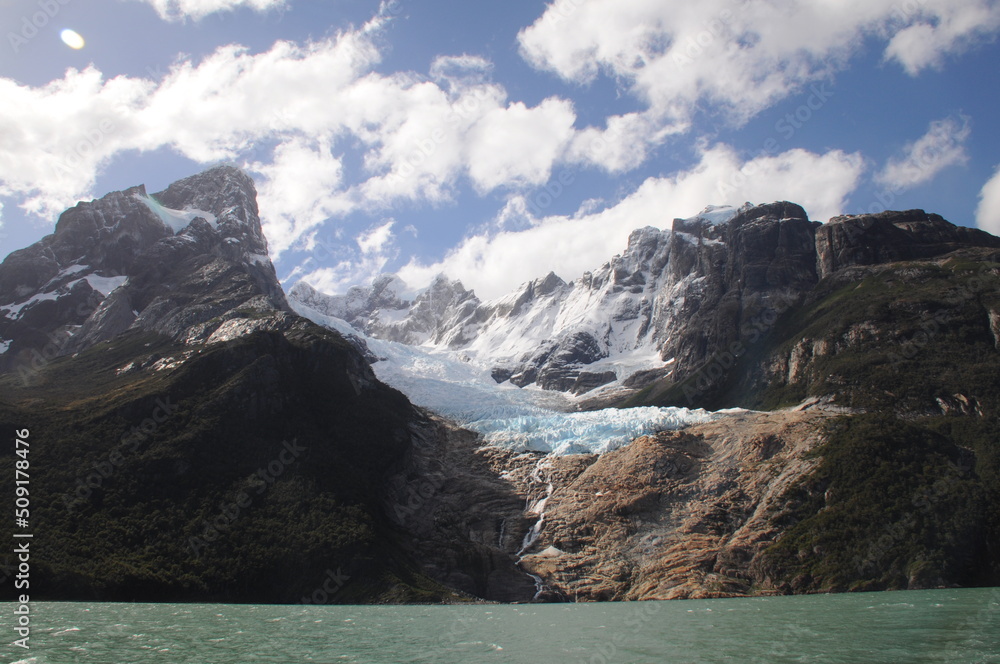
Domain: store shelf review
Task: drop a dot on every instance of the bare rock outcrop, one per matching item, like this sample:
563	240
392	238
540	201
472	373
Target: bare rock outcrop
681	514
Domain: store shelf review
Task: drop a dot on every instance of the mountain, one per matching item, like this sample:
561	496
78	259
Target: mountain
191	438
168	263
874	342
197	436
658	312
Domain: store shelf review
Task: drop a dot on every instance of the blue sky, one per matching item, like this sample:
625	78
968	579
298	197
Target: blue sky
493	141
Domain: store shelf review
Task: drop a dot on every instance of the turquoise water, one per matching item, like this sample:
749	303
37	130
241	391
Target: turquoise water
915	626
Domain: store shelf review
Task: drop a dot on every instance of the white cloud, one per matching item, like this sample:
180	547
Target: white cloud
942	146
988	211
274	112
935	35
376	247
174	10
518	145
374	240
299	190
622	144
495	261
741	57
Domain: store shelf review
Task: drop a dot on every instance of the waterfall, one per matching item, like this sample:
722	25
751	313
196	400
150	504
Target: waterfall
537	507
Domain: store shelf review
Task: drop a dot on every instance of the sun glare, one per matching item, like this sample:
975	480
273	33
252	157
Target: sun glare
72	39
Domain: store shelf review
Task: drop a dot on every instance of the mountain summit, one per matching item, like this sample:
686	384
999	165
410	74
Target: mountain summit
178	262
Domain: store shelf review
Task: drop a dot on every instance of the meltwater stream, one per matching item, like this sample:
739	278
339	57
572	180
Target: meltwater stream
536	507
947	626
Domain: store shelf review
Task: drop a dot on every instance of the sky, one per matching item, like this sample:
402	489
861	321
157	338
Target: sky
495	142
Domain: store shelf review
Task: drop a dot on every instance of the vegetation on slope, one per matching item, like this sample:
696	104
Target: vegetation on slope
249	472
893	505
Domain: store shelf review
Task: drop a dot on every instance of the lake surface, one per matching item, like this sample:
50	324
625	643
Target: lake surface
913	626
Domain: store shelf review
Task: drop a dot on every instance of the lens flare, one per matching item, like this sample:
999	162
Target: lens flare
72	39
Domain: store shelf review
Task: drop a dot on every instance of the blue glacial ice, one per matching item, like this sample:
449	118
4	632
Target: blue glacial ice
520	419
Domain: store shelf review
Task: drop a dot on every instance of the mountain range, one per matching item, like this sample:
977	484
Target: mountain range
199	436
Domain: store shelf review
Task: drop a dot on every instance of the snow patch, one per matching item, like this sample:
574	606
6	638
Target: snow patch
15	310
332	322
177	220
105	285
4	345
66	272
717	214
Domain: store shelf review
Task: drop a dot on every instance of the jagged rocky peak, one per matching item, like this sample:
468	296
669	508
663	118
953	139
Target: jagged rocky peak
360	305
168	262
645	256
223	196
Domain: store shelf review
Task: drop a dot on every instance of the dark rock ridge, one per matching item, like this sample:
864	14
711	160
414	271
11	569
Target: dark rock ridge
890	237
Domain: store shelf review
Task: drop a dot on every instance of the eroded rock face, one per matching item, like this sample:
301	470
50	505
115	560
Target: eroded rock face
697	294
681	514
462	521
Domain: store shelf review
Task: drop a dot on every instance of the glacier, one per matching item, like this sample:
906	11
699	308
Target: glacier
527	419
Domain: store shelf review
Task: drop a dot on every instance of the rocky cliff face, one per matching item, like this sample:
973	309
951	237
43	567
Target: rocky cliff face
756	504
889	237
179	262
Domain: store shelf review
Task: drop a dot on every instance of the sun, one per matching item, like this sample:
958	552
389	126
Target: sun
72	39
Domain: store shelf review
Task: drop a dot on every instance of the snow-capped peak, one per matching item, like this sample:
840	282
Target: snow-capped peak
719	214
